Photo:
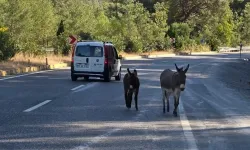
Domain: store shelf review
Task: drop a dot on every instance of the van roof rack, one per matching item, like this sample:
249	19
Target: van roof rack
87	41
107	42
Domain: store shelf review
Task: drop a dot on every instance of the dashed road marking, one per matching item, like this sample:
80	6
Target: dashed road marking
84	87
37	106
78	87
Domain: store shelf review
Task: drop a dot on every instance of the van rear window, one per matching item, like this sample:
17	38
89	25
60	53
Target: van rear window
89	51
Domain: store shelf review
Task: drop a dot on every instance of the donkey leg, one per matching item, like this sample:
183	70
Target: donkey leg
126	99
167	97
176	103
163	100
136	99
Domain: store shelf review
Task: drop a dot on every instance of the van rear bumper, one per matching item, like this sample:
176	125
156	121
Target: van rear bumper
83	73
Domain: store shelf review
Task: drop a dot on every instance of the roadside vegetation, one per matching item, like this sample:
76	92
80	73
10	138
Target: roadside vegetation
29	28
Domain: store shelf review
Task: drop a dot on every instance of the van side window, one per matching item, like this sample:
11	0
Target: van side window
111	52
115	52
89	51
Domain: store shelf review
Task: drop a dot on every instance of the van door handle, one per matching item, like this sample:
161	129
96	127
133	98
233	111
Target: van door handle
114	61
87	60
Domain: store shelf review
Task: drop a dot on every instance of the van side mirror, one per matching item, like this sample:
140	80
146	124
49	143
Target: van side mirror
120	57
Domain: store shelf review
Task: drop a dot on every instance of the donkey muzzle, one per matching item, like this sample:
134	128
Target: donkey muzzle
182	87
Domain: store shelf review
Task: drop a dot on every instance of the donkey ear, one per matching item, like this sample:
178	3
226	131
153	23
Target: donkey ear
135	72
177	68
186	69
128	71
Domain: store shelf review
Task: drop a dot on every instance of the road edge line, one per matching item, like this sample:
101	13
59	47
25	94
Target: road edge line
187	130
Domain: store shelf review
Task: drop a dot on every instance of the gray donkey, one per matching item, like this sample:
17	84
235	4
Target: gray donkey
172	83
131	85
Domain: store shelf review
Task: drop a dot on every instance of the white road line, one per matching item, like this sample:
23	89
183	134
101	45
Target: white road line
85	87
80	86
12	77
37	106
187	128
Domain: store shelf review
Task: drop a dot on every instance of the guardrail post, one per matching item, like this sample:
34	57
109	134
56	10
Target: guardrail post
240	49
46	63
29	62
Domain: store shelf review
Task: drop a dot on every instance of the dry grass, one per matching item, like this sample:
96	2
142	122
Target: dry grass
20	61
147	53
197	48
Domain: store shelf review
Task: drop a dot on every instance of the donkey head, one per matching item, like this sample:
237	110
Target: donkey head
132	83
132	79
182	76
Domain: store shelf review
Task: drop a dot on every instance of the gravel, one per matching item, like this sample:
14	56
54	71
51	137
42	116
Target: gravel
235	74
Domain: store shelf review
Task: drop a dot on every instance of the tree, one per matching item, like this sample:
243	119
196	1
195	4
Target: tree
60	28
31	23
182	10
246	25
7	46
160	17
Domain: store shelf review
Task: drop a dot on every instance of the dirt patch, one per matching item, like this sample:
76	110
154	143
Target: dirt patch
236	75
21	61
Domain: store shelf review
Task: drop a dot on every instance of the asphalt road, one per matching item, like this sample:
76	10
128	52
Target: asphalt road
48	111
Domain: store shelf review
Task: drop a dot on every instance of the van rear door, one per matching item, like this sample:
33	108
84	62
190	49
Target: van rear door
82	58
97	59
87	56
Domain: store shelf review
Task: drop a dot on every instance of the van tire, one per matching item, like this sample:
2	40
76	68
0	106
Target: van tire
107	76
118	77
73	77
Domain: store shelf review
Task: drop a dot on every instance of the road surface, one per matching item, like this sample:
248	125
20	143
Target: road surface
47	111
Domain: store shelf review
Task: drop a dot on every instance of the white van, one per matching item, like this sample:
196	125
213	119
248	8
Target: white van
95	59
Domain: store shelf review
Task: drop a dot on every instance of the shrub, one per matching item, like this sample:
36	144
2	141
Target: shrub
7	46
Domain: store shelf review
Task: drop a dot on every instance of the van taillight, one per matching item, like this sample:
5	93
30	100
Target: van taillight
73	53
105	61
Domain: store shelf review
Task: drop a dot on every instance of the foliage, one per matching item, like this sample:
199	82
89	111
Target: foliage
132	25
7	46
181	33
60	28
246	25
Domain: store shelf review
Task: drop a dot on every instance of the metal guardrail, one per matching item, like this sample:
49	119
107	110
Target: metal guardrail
233	49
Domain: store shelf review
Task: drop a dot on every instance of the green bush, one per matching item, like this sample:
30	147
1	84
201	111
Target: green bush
7	46
181	33
61	46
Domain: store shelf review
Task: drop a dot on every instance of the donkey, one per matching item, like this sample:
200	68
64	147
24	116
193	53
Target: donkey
172	83
131	85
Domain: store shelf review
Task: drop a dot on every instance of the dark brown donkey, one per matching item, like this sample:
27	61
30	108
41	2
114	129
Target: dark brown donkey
131	85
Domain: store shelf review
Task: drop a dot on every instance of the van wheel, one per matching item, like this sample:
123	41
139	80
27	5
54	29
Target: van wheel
107	76
118	77
73	77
